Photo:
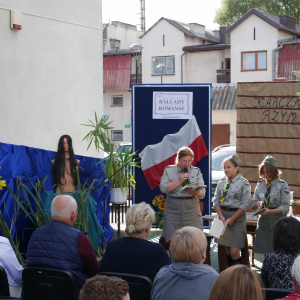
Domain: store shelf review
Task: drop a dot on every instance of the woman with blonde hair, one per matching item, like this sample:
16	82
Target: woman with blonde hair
187	277
181	209
236	283
133	254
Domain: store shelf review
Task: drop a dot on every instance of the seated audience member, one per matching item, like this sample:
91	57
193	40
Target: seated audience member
237	283
10	263
133	254
187	277
276	270
58	245
105	288
295	294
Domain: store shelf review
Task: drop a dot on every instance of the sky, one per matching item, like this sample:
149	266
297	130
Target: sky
187	11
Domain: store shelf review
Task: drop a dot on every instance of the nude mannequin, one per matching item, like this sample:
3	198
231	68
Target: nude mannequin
67	180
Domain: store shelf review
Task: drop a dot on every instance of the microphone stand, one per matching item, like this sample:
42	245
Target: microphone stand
104	183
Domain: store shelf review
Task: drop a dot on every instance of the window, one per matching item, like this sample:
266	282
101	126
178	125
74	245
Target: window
114	44
254	33
227	63
116	100
168	61
117	135
163	39
254	61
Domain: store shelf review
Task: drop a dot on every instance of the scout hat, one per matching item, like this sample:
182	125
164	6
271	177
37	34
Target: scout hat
234	158
269	160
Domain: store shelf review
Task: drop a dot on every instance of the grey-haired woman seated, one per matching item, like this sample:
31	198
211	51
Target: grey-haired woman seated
133	254
187	277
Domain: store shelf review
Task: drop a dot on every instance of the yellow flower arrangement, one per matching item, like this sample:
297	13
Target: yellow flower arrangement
2	183
159	202
161	206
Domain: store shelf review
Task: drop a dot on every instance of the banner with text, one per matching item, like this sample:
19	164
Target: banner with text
172	105
268	123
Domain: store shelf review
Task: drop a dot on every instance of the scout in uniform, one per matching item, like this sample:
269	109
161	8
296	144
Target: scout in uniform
274	193
232	199
181	209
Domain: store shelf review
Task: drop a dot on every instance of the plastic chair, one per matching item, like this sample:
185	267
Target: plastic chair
139	286
49	284
272	294
4	287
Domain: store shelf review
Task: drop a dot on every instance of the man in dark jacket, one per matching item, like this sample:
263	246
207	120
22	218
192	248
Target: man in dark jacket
58	245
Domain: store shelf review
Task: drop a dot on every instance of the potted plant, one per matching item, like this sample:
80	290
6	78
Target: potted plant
117	164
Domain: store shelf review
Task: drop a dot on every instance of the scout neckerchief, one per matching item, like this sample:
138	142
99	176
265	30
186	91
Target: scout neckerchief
267	196
225	190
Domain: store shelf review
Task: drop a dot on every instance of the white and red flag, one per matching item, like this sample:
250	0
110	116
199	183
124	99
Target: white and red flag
154	158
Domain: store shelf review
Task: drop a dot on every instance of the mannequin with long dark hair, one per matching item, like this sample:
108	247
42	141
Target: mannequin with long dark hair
64	166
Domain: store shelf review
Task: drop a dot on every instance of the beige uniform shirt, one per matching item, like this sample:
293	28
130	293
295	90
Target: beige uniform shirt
279	194
238	195
173	172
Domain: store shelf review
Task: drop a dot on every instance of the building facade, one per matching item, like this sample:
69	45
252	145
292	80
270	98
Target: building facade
51	72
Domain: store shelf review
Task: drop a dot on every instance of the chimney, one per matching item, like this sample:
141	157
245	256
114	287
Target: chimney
288	21
223	34
197	28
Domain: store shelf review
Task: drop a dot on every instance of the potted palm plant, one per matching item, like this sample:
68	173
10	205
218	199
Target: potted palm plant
118	165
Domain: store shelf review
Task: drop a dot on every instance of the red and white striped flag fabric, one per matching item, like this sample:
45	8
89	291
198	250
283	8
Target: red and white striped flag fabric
154	158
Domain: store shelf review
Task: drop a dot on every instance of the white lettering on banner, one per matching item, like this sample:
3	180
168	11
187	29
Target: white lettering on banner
172	105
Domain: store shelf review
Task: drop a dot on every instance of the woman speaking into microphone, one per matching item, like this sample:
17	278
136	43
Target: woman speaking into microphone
182	209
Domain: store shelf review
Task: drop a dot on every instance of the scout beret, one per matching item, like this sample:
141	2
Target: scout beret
269	160
234	158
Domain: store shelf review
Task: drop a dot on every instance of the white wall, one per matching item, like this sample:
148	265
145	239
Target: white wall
120	116
126	34
51	72
266	37
226	117
153	46
202	66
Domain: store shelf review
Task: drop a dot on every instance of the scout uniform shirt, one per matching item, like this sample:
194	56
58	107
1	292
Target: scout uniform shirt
279	194
173	172
238	195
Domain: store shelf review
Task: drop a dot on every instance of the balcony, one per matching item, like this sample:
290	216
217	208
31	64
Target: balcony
133	80
223	76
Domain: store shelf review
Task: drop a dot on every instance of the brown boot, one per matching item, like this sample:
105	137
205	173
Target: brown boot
165	244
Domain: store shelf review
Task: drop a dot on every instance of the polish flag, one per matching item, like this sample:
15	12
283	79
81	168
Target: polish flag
154	158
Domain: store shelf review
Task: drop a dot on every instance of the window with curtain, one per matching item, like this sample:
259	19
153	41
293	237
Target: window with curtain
254	61
168	61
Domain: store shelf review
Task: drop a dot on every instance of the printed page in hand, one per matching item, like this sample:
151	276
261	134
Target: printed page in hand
261	208
192	187
217	228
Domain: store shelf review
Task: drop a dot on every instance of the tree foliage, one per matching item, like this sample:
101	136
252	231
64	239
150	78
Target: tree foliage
232	10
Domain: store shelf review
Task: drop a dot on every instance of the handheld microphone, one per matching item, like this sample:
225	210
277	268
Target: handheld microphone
186	171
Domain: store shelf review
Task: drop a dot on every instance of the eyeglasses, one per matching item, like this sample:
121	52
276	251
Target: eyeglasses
187	161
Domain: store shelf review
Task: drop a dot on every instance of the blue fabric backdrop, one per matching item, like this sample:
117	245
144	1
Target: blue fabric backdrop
36	163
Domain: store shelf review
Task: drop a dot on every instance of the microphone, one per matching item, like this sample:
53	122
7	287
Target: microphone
186	171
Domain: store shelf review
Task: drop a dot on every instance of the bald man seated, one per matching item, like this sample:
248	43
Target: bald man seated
58	245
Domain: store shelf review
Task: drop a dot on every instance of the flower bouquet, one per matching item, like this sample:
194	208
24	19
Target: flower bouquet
159	202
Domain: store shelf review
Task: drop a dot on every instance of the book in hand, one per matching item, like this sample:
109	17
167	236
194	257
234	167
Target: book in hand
261	208
217	228
192	187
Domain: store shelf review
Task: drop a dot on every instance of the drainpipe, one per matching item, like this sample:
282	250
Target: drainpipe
273	60
182	67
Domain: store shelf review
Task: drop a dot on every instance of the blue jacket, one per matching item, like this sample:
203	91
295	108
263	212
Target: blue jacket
55	246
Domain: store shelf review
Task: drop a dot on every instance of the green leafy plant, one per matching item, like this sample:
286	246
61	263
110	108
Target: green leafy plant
114	160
